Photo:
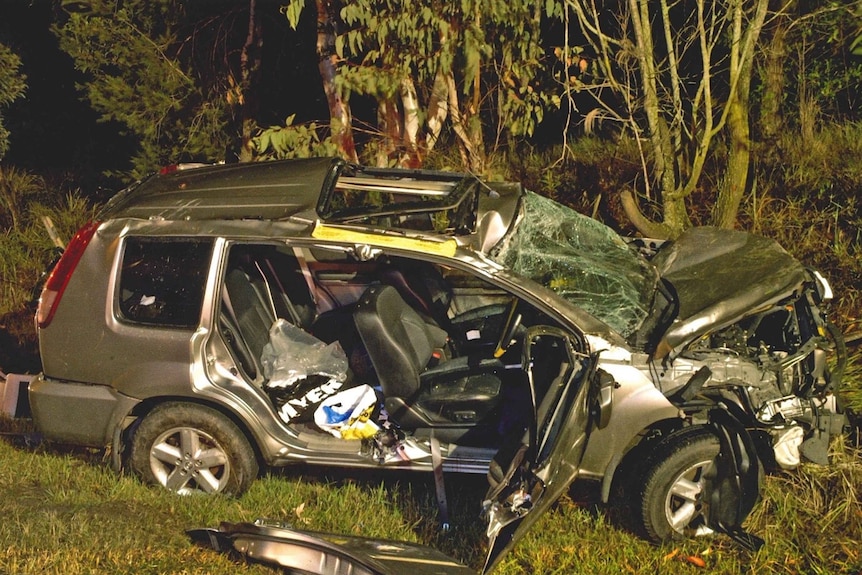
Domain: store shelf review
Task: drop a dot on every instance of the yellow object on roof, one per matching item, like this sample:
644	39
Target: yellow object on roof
444	248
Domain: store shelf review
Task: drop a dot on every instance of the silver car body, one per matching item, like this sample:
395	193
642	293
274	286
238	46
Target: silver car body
103	373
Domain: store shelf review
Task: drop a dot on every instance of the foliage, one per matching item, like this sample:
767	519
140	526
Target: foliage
587	175
472	64
824	75
494	42
12	86
137	75
807	200
16	188
27	250
291	141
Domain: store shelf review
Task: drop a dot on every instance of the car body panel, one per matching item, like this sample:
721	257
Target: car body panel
722	275
100	406
316	553
638	405
268	191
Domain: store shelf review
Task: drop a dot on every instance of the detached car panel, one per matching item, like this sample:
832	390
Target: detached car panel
325	553
220	319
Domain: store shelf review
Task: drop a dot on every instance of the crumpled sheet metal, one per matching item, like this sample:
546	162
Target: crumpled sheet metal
582	260
720	276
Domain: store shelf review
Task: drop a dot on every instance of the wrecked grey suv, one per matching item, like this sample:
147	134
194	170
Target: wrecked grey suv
217	320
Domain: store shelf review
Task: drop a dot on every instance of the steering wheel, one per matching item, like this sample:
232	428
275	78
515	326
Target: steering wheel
513	320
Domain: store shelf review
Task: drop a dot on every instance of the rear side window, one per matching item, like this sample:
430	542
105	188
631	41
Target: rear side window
162	281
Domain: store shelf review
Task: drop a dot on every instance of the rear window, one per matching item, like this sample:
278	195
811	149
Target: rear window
162	280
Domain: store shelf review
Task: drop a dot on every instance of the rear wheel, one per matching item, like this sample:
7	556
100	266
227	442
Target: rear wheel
672	497
189	448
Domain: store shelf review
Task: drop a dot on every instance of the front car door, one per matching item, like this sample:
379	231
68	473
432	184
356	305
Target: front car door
527	478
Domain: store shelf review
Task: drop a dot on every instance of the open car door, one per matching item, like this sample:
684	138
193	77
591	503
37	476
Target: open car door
529	476
568	395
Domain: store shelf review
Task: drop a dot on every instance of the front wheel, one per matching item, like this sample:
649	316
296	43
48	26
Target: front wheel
672	498
189	448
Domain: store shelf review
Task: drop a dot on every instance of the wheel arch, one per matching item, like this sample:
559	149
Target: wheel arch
642	445
128	425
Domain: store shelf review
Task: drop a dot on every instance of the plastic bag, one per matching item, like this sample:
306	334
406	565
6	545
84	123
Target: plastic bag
350	413
293	354
296	403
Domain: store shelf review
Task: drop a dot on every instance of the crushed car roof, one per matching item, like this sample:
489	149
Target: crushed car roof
325	188
266	190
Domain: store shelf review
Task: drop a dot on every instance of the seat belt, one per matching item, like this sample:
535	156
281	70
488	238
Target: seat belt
281	301
440	487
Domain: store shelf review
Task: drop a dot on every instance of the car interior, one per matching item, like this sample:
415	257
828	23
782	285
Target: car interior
432	340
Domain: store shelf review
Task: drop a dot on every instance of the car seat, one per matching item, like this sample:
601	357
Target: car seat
423	286
457	393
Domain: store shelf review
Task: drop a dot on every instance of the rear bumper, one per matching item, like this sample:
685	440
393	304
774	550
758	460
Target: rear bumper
77	413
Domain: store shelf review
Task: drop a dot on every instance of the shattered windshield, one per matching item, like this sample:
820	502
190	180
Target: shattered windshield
582	260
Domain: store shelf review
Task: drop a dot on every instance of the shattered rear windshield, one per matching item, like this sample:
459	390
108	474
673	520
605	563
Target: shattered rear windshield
581	259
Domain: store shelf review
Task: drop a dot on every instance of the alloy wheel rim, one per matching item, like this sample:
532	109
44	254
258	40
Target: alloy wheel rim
187	460
685	506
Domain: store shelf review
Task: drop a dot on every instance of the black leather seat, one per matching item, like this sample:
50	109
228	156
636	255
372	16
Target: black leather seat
246	320
419	392
423	286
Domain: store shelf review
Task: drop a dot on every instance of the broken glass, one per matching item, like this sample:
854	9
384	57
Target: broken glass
581	259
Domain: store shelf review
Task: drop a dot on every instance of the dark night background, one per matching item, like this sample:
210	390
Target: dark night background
56	134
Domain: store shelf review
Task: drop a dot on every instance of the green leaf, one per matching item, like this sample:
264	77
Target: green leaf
293	10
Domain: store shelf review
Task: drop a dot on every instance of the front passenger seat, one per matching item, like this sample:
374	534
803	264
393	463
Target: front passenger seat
458	392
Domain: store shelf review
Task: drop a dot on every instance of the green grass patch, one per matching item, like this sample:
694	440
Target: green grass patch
65	511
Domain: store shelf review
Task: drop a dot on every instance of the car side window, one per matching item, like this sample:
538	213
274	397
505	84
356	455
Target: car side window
162	280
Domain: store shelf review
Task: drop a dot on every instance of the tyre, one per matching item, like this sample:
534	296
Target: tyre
672	499
189	448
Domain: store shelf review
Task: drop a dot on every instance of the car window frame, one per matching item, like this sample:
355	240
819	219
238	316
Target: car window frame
122	316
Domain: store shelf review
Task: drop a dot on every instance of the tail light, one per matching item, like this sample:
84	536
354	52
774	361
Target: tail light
59	277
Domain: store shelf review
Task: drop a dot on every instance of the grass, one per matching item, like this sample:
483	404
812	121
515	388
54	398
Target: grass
65	511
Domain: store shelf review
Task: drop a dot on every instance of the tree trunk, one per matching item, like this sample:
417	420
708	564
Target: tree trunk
389	124
412	156
341	123
472	152
771	120
249	68
741	65
739	157
438	110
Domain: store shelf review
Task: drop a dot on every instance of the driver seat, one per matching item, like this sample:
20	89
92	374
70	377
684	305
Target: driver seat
460	393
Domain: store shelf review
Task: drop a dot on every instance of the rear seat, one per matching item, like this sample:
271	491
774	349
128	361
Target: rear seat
251	315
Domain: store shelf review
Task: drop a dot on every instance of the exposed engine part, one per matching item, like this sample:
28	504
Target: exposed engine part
775	366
